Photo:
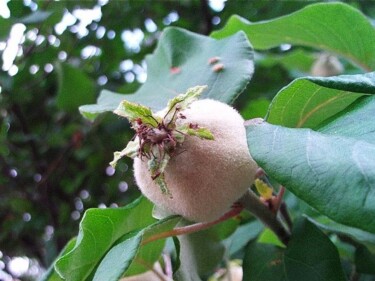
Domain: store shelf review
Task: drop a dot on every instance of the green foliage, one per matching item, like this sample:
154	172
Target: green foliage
201	252
170	71
307	102
310	255
364	260
131	256
69	96
317	139
332	173
51	274
334	27
102	228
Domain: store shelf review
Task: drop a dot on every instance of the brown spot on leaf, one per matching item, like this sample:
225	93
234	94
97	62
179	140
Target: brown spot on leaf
213	60
218	67
175	70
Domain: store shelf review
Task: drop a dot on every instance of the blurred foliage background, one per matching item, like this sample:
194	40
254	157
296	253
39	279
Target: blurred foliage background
57	55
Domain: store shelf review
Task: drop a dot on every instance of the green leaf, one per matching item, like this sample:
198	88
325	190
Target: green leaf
133	111
269	237
334	27
357	234
200	132
359	113
5	26
51	274
150	252
36	17
106	101
310	255
99	230
243	235
201	252
172	71
48	18
74	87
298	59
130	256
364	260
255	108
118	259
263	262
309	101
332	173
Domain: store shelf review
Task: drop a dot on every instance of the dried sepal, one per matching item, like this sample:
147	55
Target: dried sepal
131	150
182	102
159	135
195	130
156	166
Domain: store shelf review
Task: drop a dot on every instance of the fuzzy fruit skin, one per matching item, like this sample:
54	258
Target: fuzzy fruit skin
206	176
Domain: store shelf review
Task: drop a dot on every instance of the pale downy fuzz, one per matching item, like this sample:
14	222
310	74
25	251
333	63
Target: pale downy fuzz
205	177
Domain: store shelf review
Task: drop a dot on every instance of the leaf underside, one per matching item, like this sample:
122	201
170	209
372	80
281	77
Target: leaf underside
183	60
334	27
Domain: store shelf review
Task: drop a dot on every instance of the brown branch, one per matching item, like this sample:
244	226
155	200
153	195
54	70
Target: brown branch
15	108
194	227
207	17
252	203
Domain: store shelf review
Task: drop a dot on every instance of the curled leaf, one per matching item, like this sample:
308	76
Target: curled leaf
200	132
131	150
157	167
134	111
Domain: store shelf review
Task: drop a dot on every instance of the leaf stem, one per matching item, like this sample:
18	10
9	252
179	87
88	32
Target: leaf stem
194	227
252	203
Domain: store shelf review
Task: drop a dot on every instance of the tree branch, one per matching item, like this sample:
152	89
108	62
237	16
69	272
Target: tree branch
252	203
207	17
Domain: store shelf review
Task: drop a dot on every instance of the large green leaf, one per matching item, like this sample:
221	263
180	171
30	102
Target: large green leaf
364	260
309	101
75	87
358	235
50	274
202	251
310	256
131	256
182	60
99	230
334	27
262	262
149	252
243	235
296	60
360	113
333	171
